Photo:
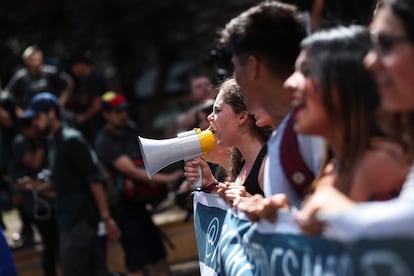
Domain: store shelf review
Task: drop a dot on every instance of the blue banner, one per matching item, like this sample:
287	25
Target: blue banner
228	244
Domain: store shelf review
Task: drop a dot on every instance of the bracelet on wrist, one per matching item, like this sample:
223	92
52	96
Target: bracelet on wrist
210	187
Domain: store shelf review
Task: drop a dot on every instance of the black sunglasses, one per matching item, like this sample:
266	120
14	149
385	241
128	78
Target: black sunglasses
384	43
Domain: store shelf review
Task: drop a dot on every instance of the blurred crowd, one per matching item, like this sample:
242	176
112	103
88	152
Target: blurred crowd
69	127
315	120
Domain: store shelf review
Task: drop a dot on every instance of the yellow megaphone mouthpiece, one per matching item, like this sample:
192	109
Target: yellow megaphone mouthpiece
207	140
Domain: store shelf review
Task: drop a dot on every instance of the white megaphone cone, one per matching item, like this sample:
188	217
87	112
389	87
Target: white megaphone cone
158	154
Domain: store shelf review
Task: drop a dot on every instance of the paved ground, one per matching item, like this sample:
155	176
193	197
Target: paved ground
27	260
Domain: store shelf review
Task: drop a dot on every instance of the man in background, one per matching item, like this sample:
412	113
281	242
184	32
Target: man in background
84	102
265	41
201	89
36	77
80	196
117	148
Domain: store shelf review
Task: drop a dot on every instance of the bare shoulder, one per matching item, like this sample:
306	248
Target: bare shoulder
386	147
382	167
384	157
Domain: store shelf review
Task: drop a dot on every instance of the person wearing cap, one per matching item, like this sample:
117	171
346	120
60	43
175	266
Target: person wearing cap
80	196
30	176
117	147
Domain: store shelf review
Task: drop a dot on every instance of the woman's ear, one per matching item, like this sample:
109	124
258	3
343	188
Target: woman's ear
243	118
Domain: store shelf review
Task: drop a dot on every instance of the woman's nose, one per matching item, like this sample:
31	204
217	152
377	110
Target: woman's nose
372	60
210	117
291	84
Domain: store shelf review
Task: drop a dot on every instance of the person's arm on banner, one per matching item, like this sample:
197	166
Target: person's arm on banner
390	219
257	208
393	218
325	202
231	192
348	221
228	190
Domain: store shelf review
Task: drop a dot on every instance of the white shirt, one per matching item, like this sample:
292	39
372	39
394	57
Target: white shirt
275	181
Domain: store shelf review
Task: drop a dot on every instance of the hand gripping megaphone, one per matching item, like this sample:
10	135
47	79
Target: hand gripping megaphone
188	145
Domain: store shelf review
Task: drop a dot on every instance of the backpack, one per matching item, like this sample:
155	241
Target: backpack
141	193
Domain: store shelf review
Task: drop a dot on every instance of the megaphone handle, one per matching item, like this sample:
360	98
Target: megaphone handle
198	183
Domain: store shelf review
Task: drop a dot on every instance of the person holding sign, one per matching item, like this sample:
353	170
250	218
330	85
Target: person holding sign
234	128
264	41
360	161
391	61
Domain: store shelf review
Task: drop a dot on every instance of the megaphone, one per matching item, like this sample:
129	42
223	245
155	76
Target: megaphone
158	154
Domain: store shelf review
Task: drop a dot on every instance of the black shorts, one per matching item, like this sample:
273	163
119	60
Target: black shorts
140	238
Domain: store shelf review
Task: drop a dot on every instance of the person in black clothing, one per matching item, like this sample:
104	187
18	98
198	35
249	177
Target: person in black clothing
31	179
8	130
235	128
117	147
80	196
83	105
37	77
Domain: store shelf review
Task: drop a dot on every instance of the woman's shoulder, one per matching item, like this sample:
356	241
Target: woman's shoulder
386	147
384	157
382	168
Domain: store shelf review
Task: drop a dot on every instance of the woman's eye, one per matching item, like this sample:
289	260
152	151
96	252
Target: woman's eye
305	69
305	72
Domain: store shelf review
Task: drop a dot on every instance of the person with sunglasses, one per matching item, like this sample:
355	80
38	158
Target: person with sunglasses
391	60
360	161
